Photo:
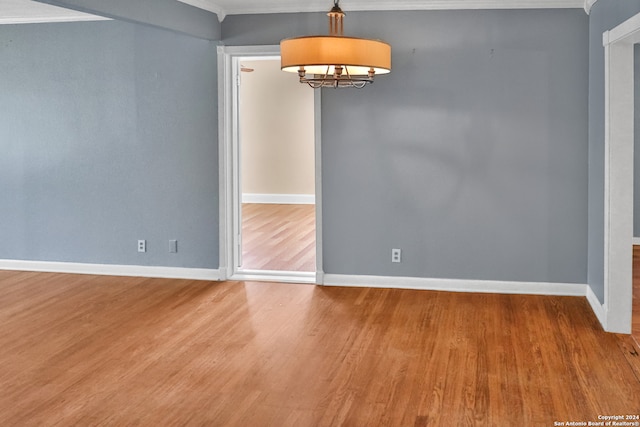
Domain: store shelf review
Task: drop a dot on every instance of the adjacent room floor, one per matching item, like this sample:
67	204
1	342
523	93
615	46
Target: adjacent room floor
278	237
100	350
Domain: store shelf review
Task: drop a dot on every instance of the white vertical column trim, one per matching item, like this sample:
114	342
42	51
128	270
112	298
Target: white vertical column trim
317	121
618	214
224	162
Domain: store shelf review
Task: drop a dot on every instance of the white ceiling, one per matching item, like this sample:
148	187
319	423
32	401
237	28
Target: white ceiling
238	7
27	11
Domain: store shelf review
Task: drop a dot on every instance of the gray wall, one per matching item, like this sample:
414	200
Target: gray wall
605	15
471	155
108	134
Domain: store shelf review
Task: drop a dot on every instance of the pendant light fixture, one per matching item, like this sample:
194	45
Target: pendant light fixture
335	60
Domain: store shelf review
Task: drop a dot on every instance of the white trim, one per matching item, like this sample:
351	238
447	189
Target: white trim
588	4
598	309
50	19
317	124
245	8
112	269
279	199
628	32
456	285
224	163
228	57
393	5
307	277
618	177
635	241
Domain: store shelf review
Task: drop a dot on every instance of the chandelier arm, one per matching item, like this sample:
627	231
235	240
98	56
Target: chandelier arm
354	82
326	74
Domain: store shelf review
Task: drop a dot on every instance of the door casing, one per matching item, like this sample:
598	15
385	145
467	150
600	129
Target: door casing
229	179
616	312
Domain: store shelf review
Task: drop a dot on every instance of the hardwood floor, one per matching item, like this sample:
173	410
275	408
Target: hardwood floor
100	350
635	326
278	237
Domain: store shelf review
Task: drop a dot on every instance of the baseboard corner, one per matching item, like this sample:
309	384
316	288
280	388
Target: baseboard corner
598	309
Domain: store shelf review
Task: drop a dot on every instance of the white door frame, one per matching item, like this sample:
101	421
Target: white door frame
229	185
616	312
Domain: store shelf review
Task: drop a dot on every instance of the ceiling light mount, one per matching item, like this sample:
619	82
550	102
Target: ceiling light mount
335	60
336	19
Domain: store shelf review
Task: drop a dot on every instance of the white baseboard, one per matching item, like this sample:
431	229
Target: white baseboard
306	277
598	309
392	282
279	199
635	241
455	285
112	270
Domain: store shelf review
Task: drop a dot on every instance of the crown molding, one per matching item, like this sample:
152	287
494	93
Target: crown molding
389	5
225	7
588	4
30	12
50	19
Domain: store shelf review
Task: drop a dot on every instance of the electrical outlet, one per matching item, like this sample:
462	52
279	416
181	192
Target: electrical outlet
396	255
173	246
142	246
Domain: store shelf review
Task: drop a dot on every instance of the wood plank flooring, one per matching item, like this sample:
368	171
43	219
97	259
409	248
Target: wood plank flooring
278	237
110	351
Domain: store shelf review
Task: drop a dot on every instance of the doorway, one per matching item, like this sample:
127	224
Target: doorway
277	176
270	204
